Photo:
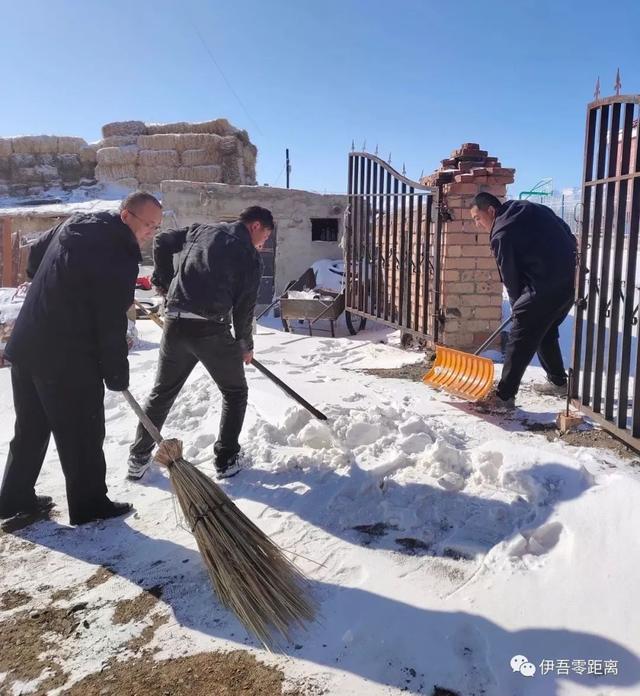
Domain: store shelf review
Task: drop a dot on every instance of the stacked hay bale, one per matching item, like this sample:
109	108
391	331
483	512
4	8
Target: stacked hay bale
29	165
134	154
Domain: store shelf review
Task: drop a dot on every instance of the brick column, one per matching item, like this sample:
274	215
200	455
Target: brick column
471	291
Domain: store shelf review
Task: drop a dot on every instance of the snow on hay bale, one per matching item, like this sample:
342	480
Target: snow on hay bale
219	126
68	145
209	174
113	172
118	155
130	183
123	128
156	174
5	147
158	158
35	144
169	128
193	158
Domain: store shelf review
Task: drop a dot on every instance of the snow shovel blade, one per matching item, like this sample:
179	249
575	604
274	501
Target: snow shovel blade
463	374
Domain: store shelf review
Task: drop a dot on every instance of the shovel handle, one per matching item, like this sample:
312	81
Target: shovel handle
152	315
504	325
143	417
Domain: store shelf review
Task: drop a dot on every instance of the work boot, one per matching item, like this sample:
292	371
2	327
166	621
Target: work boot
228	468
104	511
137	466
549	388
496	404
40	503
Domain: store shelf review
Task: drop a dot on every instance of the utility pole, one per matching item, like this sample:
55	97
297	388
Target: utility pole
288	165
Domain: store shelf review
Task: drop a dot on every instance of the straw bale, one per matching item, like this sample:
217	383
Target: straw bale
88	154
219	126
118	155
249	161
6	147
168	141
113	172
231	170
200	141
123	128
47	172
154	175
70	145
164	128
4	189
70	167
5	168
130	183
206	174
230	145
35	144
26	175
193	158
158	158
119	140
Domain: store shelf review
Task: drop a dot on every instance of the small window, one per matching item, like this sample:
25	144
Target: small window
324	229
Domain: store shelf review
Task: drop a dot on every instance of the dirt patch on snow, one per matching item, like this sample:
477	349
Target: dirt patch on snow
139	643
413	371
222	674
101	576
137	608
13	598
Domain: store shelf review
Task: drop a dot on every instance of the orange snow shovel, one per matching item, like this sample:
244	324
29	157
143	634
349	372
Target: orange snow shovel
466	375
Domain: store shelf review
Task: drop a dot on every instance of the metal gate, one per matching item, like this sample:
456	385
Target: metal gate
606	359
392	248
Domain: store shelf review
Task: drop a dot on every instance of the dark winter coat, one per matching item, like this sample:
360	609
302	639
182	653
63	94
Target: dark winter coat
535	251
74	316
217	276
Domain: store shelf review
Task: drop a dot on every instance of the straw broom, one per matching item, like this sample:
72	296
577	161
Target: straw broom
249	573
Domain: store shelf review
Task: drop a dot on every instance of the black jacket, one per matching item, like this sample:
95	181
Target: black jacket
74	316
217	277
535	250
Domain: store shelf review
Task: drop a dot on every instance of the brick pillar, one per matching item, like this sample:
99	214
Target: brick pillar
471	291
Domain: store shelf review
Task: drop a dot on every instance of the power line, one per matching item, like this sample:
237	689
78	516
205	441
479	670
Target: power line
224	77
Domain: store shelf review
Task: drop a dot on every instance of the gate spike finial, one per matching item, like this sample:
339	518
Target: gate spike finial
353	145
596	94
376	149
618	84
421	175
404	170
364	145
389	160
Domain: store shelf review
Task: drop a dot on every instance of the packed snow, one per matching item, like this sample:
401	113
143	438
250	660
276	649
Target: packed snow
445	547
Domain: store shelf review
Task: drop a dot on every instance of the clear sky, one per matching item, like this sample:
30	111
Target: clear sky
416	78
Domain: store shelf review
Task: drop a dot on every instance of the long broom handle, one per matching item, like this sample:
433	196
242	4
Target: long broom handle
143	417
504	324
152	315
288	390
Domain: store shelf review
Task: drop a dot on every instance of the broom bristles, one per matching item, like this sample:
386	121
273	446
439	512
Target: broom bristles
249	572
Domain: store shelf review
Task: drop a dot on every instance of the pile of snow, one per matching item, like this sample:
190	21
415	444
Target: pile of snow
444	547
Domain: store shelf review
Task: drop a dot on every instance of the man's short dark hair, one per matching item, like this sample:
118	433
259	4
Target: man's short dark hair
484	200
254	213
134	201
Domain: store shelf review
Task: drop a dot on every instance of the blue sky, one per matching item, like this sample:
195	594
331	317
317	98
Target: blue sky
415	78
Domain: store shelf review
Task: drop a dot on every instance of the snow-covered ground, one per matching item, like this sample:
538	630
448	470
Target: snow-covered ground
478	540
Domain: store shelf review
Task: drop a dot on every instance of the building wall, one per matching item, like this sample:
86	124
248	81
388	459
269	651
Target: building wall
292	209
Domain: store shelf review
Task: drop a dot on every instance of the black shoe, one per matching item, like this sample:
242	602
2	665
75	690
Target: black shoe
229	468
41	503
104	512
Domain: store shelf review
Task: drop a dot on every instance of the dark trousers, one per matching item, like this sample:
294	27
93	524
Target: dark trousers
536	320
185	342
71	407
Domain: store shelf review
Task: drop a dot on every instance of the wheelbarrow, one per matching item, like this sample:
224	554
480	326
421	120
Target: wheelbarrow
466	375
324	304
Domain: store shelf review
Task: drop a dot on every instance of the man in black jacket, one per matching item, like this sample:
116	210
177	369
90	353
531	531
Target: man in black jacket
536	255
216	282
69	337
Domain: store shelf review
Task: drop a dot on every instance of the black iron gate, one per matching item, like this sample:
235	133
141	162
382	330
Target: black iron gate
392	248
606	359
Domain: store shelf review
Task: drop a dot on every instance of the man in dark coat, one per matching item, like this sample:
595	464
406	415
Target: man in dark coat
536	255
216	283
69	338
